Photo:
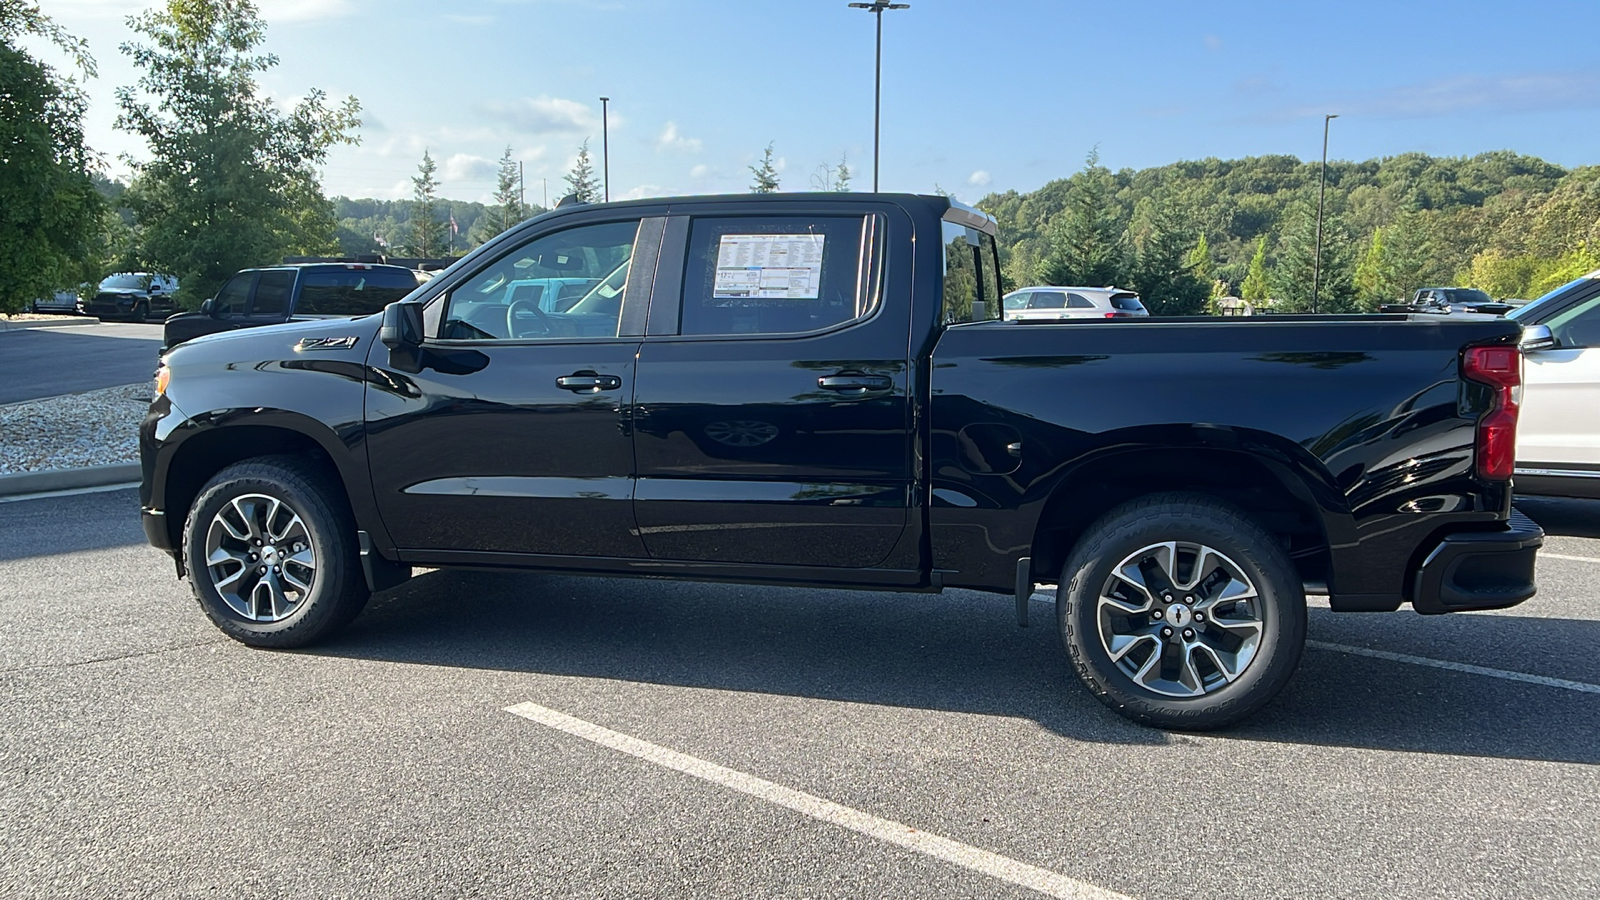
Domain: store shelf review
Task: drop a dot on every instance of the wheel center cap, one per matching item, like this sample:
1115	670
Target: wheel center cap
1180	615
269	555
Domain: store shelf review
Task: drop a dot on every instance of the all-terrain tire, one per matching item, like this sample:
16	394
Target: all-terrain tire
237	522
1094	612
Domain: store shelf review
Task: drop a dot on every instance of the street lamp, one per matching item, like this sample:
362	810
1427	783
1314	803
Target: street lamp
876	7
1316	266
605	145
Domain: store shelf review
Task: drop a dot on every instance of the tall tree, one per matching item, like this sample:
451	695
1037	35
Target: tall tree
841	176
1254	288
1085	241
50	212
766	177
230	179
427	230
508	209
831	178
1298	265
581	182
1372	274
1163	268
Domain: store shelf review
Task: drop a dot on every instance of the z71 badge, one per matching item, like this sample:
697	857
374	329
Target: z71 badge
326	343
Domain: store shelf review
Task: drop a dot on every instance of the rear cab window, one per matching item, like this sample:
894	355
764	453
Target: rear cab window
971	268
775	274
351	290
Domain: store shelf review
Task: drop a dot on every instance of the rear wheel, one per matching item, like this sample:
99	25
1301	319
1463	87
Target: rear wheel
270	549
1179	612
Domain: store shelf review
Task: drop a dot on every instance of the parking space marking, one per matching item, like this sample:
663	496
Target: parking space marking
1593	559
1581	686
1004	868
70	492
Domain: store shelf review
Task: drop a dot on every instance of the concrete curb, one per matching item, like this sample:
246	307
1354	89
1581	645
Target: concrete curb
67	479
45	323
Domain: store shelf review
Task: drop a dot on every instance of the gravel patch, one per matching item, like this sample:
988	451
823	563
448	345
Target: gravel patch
94	428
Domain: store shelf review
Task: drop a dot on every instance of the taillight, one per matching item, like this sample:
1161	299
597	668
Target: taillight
1501	369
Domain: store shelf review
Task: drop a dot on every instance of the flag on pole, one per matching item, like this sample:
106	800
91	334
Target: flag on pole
453	228
378	239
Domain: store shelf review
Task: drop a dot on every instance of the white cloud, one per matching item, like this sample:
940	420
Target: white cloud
1213	43
670	139
1525	92
700	171
640	192
466	167
979	178
546	115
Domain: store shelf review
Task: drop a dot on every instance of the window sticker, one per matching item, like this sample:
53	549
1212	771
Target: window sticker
772	266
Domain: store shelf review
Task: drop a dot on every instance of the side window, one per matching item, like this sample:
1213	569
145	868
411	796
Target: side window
1048	300
1018	300
971	276
272	293
1079	301
773	274
231	299
563	285
1578	326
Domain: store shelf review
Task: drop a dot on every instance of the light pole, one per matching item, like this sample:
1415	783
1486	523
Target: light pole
1322	190
605	145
876	7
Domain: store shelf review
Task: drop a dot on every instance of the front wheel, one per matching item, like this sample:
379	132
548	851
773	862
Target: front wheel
270	549
1179	612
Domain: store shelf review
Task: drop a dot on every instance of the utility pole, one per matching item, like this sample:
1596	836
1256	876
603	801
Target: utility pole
605	146
522	191
876	7
1322	190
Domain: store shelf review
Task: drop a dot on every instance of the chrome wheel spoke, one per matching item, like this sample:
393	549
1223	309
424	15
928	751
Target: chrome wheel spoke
1229	664
260	558
1121	645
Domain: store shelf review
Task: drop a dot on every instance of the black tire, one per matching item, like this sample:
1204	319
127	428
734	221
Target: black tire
141	311
335	589
1092	604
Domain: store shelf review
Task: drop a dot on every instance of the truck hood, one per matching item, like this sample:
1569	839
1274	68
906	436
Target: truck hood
274	341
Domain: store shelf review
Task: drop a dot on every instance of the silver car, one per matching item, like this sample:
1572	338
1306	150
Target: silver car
1053	304
59	302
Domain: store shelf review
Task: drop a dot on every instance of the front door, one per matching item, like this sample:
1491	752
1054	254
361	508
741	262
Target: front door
772	416
1558	427
512	435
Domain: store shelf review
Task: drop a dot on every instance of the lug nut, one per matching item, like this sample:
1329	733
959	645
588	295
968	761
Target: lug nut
1156	614
1188	634
1199	617
1166	632
252	556
262	570
277	569
1188	599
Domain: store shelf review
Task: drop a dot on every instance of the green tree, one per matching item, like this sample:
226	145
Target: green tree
841	176
427	238
231	182
50	212
1200	261
1163	266
1084	239
508	210
1372	278
581	182
766	177
1298	264
1255	287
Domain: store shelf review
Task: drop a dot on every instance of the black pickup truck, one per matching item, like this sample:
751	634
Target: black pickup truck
277	294
818	390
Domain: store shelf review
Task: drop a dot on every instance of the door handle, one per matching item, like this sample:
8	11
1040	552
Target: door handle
855	383
588	382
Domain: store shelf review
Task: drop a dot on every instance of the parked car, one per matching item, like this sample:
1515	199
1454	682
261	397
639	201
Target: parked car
134	296
276	294
1558	438
64	302
1449	300
811	390
1053	304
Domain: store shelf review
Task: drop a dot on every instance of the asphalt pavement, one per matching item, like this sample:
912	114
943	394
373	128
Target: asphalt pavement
44	362
687	740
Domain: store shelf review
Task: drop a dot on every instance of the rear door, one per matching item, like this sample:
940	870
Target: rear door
1558	428
773	415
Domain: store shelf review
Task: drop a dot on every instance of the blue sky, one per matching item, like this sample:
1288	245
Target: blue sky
978	95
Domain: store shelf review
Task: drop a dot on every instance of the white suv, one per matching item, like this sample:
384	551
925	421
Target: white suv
1558	430
1052	304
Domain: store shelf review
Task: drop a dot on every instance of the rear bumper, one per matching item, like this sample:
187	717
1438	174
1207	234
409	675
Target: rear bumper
1476	570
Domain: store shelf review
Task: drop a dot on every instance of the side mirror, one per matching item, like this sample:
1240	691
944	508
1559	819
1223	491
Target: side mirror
402	325
207	306
1538	337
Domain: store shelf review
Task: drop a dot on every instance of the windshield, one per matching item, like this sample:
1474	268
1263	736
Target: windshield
1532	309
127	281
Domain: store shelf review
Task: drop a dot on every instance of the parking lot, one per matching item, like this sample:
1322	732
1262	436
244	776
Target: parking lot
480	734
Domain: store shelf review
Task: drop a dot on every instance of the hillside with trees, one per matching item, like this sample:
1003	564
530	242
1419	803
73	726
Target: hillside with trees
1513	225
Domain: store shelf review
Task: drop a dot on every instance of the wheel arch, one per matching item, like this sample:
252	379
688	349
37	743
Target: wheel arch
1267	490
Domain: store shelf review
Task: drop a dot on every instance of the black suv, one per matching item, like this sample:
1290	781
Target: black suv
272	296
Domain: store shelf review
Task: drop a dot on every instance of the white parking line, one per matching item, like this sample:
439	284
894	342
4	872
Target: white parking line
1581	686
1593	559
70	492
1006	869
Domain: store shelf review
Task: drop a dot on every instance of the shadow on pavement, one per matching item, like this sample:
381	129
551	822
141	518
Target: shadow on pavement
956	652
1563	516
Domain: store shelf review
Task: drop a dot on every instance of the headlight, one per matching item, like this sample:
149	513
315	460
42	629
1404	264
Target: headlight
163	377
